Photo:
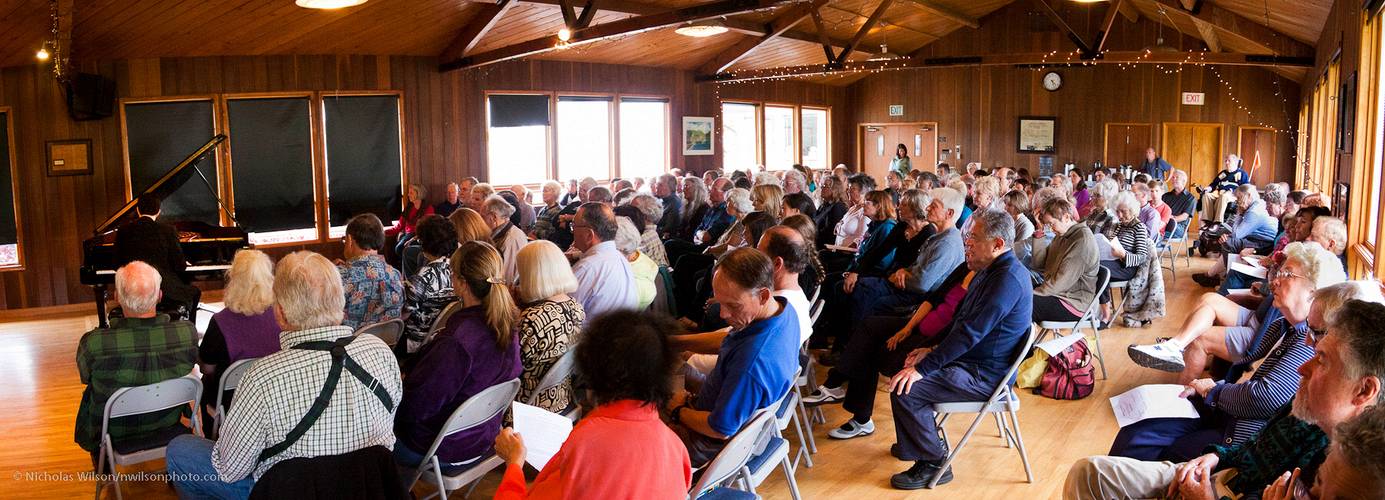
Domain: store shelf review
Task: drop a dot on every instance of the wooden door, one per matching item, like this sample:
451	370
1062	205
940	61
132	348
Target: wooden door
1194	148
1253	141
878	143
877	148
1126	143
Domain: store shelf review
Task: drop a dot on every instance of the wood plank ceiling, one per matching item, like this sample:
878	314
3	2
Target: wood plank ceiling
115	29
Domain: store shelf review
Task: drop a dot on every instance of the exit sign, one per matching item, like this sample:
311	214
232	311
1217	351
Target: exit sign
896	110
1194	98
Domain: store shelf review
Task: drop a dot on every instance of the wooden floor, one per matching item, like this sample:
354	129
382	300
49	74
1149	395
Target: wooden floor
40	390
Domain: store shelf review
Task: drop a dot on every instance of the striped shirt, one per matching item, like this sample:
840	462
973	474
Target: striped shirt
1135	240
1252	402
278	391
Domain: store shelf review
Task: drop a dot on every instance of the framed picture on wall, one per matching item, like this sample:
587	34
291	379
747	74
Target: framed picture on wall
1037	134
69	157
698	134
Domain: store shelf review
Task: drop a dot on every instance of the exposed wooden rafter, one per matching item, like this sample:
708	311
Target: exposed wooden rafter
822	35
946	13
588	13
475	29
1106	24
623	27
1063	25
1038	59
865	29
1238	25
775	27
1131	13
1208	34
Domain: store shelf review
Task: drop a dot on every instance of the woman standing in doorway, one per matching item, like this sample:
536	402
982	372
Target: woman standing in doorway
900	163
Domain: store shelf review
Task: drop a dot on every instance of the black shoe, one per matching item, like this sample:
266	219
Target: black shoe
918	476
894	451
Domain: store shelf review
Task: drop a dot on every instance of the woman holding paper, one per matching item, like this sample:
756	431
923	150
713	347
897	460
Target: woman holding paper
621	449
1131	249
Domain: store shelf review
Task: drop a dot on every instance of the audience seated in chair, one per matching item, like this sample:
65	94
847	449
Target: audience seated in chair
650	242
1354	467
990	324
665	188
550	322
1252	228
403	230
546	220
1233	411
374	290
830	209
605	281
142	348
430	290
1340	382
621	449
1132	255
291	388
246	328
1067	264
1296	229
643	268
756	362
697	204
505	235
451	203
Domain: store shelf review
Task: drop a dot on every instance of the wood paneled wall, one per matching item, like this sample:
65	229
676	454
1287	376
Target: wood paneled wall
444	134
1341	38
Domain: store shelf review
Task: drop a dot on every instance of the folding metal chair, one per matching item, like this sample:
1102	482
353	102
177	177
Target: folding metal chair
808	378
476	411
1091	317
729	466
128	401
441	320
1002	402
790	410
560	372
771	449
230	379
388	331
1175	243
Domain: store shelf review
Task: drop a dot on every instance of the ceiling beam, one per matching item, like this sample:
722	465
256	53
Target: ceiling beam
475	29
588	13
1241	26
1106	24
775	27
865	28
569	13
1131	13
1063	25
822	35
1208	34
1030	60
946	12
623	27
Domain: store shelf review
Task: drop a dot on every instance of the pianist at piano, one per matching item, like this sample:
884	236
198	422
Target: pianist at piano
155	243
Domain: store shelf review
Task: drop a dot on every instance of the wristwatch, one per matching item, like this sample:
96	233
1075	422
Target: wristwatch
678	413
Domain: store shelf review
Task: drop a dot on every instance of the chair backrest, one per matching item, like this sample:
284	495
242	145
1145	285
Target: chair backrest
1179	231
735	455
230	378
150	398
663	293
475	411
1103	281
556	374
817	292
388	331
815	311
1003	387
441	320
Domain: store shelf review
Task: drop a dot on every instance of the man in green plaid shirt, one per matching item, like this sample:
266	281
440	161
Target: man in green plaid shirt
142	348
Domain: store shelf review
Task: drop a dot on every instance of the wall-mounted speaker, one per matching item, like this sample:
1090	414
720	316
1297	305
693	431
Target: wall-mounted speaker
90	97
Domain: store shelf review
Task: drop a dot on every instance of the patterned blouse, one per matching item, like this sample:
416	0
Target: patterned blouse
547	329
427	295
374	291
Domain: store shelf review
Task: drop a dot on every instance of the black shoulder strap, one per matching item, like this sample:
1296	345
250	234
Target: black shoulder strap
339	360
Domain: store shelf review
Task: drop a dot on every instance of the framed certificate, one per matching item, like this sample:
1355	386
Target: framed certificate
1037	134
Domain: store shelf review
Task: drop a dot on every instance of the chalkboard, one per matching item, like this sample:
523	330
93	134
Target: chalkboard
158	135
272	163
364	166
9	228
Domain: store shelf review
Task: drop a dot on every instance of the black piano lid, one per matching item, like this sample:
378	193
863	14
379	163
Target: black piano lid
164	187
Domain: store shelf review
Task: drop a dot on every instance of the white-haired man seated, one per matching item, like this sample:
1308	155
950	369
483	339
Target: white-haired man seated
144	347
344	389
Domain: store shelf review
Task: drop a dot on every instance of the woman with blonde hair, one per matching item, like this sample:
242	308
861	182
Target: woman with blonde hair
246	328
768	198
470	226
475	350
550	323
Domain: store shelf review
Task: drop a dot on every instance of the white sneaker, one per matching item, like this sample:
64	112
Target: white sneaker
825	395
852	429
1161	356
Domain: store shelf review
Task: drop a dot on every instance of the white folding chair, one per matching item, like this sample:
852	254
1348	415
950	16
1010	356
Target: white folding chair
1118	305
729	466
441	320
1175	243
388	331
790	410
230	379
476	411
560	372
771	449
128	401
1003	401
1090	318
808	379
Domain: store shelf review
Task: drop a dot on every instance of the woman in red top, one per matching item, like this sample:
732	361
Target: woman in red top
620	450
415	209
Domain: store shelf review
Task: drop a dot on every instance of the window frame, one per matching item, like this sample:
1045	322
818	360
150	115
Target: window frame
668	129
19	264
318	162
796	120
760	129
1364	248
827	147
612	132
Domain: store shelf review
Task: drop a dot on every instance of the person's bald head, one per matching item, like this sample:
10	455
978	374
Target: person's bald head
137	289
787	248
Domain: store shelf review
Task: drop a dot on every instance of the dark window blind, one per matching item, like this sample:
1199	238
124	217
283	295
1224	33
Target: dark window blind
510	110
9	234
363	161
272	163
158	136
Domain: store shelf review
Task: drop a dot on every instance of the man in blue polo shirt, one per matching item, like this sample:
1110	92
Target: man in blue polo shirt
756	363
989	326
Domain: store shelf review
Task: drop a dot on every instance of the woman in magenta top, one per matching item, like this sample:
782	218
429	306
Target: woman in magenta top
415	209
620	449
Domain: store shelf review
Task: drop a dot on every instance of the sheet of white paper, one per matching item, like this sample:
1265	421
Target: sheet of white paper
1057	345
1152	401
839	248
543	432
1103	248
1244	266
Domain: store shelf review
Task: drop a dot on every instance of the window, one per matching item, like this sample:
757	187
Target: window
739	136
814	143
9	212
365	167
517	138
273	139
160	134
643	137
780	150
584	137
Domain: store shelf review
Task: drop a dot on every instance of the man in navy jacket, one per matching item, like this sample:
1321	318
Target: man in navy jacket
989	326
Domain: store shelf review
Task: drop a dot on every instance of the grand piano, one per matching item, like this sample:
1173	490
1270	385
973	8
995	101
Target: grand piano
208	249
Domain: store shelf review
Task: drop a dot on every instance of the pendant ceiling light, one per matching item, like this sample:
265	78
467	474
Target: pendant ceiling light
328	4
702	29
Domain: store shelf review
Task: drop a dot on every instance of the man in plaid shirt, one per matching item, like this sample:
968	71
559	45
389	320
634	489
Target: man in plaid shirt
142	348
280	390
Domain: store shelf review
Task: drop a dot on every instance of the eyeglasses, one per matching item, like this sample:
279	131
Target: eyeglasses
1316	334
1284	275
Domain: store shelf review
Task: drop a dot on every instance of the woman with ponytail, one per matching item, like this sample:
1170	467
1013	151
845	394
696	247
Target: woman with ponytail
475	350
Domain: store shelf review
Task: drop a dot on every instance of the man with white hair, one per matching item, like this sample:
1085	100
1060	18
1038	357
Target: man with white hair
303	386
1253	227
144	347
508	238
452	203
1231	175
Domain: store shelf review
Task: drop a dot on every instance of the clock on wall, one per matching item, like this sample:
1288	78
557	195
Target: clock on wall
1052	81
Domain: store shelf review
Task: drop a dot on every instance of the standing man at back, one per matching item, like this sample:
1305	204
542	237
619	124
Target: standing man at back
1155	166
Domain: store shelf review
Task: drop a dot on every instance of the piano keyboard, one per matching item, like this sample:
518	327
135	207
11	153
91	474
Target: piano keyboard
190	269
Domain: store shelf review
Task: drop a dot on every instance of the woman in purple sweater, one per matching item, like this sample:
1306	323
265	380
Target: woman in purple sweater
246	328
477	349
